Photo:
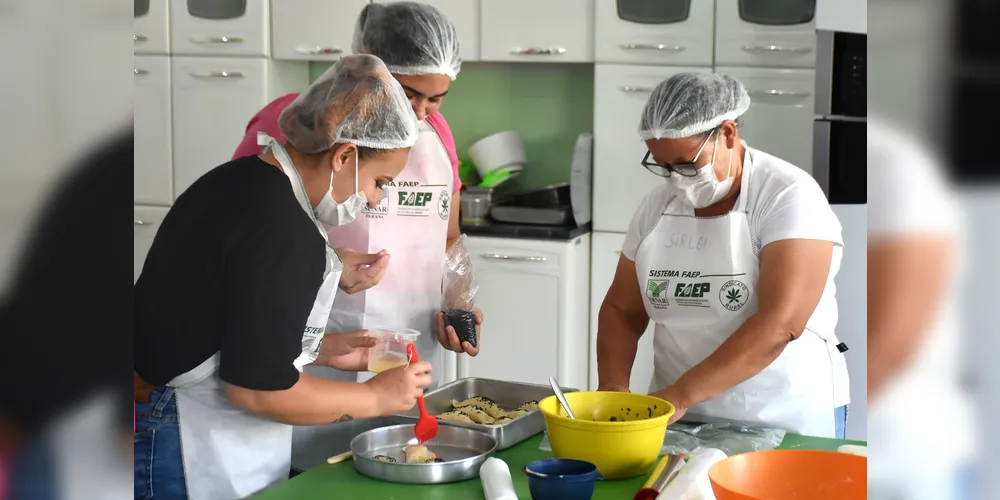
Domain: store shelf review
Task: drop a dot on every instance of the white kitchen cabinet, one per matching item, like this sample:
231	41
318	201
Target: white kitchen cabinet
604	255
675	32
153	159
537	31
313	30
780	117
145	222
534	298
620	181
213	99
464	14
151	27
220	27
779	33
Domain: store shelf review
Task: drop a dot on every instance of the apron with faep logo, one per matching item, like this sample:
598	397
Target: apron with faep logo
699	278
410	221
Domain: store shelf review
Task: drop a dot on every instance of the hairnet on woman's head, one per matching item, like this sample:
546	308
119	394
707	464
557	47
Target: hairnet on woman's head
355	101
412	38
688	104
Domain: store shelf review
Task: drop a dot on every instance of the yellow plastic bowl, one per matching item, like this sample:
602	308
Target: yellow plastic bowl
619	432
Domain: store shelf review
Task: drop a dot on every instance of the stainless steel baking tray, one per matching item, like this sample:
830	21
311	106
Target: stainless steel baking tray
508	395
463	452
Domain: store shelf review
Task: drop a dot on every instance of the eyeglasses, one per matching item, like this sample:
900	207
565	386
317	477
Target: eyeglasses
682	169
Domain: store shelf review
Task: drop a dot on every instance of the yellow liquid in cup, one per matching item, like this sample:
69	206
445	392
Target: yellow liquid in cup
384	364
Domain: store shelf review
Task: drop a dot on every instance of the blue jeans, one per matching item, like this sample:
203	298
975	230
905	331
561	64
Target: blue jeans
159	471
840	421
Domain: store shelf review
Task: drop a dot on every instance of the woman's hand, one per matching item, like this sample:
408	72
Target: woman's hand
345	351
448	337
674	396
361	270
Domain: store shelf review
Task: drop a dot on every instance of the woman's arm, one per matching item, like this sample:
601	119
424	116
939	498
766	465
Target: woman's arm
620	323
793	275
314	400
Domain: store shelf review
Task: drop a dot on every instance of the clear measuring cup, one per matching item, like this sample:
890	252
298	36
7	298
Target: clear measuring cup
390	347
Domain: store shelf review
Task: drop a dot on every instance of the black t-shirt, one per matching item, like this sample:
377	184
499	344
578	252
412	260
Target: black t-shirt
235	267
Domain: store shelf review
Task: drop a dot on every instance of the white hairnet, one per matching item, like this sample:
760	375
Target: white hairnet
412	38
355	101
688	104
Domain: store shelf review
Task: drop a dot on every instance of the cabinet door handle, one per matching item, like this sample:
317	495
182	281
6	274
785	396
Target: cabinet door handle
526	258
140	222
652	46
216	39
139	38
778	93
140	71
218	74
317	50
772	49
635	90
540	51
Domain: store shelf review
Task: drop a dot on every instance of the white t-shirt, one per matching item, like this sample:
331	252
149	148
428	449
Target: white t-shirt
909	195
783	202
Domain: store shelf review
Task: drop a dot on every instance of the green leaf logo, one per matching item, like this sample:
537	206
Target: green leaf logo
654	289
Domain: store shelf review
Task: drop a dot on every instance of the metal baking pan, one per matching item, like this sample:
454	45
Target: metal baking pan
508	395
463	452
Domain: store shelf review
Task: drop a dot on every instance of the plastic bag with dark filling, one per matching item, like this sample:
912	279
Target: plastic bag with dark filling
458	292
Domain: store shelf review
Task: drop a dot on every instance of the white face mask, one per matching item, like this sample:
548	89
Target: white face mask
704	189
328	211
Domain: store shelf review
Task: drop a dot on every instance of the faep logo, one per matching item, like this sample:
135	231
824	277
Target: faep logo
656	293
692	289
414	198
734	294
692	294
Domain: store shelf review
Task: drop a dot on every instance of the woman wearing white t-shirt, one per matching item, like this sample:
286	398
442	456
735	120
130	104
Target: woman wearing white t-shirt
733	258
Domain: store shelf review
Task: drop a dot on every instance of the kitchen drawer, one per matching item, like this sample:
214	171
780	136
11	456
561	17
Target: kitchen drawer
516	253
145	222
744	39
620	181
220	27
313	30
625	33
780	117
151	27
534	31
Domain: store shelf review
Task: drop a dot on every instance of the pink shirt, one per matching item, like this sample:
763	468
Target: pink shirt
266	120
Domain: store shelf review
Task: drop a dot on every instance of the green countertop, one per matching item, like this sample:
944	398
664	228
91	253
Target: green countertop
343	481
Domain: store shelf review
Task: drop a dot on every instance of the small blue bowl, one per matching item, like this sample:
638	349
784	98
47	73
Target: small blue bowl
561	479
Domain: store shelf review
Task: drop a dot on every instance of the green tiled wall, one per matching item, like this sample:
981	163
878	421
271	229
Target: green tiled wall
549	104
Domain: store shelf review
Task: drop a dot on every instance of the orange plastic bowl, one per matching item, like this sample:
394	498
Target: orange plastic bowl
790	474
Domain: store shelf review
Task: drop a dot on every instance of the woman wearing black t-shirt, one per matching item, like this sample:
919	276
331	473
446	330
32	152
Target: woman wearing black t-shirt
236	290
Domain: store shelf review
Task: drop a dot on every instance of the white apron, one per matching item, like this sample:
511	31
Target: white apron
227	452
411	223
698	277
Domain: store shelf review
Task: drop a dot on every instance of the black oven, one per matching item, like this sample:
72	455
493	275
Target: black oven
840	130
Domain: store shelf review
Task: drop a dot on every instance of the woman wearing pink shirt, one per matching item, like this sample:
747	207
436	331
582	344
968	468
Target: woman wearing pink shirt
417	215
